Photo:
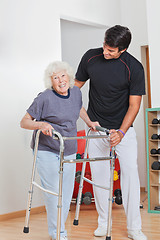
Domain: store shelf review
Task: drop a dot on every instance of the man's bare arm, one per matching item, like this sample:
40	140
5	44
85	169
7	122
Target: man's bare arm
134	106
79	83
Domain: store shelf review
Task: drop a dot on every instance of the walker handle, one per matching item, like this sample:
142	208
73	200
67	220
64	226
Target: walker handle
102	129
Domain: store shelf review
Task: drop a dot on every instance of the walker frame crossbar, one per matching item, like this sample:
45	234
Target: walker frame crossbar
57	135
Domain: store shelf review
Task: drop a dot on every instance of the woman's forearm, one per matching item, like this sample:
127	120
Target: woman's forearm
86	119
28	122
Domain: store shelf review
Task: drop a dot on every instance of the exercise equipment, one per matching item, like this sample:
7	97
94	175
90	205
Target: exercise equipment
155	165
87	198
78	176
157	208
57	136
78	156
87	187
118	196
153	151
116	183
155	121
115	177
154	136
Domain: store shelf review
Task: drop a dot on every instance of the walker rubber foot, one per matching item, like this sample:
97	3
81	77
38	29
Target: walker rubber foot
75	222
26	230
108	238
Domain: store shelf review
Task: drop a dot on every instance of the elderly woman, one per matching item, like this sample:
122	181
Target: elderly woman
58	107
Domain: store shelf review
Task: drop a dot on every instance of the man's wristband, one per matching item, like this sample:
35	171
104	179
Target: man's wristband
121	132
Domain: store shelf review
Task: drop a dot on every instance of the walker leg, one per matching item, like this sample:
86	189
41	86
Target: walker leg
108	236
60	197
26	227
30	193
75	222
29	203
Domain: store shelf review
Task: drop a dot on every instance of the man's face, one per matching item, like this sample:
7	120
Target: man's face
110	52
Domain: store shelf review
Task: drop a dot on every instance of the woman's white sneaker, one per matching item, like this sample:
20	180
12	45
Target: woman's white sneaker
136	235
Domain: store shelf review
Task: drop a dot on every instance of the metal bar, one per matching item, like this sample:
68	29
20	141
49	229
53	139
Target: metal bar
96	185
60	184
57	135
112	166
82	137
43	189
102	129
30	193
75	222
86	160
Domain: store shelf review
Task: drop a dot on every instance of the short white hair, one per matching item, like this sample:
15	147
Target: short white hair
55	67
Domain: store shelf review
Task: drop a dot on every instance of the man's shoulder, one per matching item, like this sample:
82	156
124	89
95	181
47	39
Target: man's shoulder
130	60
93	52
96	50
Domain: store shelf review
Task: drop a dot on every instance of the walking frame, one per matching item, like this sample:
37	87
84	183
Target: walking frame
57	135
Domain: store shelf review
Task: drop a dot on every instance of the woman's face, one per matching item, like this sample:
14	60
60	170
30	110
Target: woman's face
60	82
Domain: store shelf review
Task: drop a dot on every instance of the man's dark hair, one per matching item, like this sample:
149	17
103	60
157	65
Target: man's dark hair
118	36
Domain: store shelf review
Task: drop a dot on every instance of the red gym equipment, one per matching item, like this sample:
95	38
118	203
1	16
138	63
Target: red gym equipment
87	193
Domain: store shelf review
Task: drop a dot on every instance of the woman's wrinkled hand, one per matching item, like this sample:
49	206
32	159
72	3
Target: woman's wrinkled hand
46	129
93	125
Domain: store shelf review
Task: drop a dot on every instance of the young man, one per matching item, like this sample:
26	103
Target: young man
116	87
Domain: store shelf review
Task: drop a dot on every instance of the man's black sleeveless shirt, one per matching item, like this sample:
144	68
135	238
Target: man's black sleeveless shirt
111	83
